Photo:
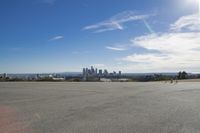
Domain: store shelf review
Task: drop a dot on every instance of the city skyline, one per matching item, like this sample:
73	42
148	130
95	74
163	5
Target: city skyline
99	73
139	36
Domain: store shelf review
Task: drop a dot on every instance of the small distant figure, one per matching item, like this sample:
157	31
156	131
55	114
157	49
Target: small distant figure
171	81
176	80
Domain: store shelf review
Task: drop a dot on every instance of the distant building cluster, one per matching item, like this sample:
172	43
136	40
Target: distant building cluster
3	76
94	73
31	77
97	75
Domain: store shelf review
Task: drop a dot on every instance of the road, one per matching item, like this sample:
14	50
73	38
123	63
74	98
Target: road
100	107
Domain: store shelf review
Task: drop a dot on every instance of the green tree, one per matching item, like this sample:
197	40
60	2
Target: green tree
182	75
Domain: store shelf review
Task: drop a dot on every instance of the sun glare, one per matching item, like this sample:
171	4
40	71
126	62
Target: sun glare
195	2
199	7
192	1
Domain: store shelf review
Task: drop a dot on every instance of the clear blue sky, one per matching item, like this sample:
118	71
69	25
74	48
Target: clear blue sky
128	35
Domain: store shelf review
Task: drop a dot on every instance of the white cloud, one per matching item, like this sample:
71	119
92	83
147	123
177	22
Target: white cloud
176	50
56	38
145	58
191	22
116	22
116	48
174	43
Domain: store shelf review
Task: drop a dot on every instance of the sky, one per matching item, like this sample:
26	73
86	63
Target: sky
136	36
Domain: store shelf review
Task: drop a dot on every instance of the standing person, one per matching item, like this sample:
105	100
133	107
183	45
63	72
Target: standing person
171	81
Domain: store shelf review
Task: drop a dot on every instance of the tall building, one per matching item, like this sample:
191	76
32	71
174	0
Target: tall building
105	73
84	71
100	72
120	73
5	75
114	73
37	76
92	70
96	71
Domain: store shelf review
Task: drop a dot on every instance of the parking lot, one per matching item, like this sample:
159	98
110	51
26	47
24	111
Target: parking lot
154	107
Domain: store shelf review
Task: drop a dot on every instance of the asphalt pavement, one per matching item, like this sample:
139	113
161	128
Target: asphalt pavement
42	107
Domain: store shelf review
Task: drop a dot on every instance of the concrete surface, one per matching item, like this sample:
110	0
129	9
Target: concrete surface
100	107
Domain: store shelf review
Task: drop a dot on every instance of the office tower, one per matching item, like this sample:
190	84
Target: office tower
84	71
114	73
89	72
120	73
105	72
96	71
37	76
5	75
92	70
100	72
